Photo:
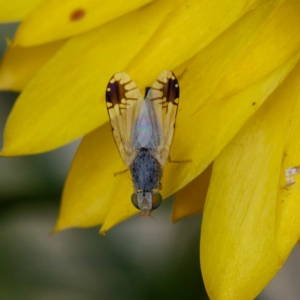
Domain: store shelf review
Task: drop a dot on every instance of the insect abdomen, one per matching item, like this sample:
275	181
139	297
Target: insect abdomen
146	171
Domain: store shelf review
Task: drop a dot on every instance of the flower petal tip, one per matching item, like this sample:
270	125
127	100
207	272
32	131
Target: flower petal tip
53	232
58	227
102	232
5	153
174	218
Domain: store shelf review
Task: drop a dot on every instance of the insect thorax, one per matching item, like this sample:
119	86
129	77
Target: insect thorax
146	171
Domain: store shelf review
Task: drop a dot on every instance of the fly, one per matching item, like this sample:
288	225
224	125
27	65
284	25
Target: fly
143	131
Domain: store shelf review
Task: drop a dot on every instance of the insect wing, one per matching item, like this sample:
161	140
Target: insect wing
162	102
124	102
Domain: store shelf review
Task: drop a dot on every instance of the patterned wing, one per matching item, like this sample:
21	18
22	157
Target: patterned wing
124	102
162	102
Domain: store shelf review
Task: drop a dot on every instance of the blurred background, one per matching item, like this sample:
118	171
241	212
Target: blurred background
138	259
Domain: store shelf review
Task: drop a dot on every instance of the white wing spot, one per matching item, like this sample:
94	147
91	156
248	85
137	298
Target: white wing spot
289	173
176	85
108	89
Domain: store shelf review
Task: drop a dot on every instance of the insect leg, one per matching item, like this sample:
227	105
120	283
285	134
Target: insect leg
119	173
179	161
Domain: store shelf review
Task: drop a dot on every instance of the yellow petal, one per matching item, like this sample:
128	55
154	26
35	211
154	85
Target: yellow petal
55	19
190	199
20	65
16	10
66	98
269	50
195	24
218	117
238	234
45	92
288	201
86	193
212	127
249	40
120	196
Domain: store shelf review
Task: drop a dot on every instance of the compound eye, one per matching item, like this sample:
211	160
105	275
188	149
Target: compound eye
134	200
156	200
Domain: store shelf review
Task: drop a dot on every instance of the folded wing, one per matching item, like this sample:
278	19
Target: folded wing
162	101
124	102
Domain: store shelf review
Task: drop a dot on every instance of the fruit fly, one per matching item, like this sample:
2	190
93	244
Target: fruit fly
143	131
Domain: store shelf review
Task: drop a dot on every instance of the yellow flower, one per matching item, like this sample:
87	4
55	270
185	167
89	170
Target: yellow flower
237	62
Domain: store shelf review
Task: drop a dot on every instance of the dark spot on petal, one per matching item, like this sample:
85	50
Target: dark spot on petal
77	14
253	103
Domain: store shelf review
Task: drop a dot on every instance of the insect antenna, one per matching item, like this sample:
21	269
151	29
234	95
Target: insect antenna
138	216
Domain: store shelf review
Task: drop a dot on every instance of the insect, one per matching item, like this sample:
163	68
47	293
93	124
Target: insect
143	131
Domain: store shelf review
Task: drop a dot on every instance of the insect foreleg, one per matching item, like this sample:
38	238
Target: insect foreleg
179	161
119	173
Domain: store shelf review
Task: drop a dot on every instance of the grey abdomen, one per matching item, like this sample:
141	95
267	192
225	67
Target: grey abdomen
146	171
